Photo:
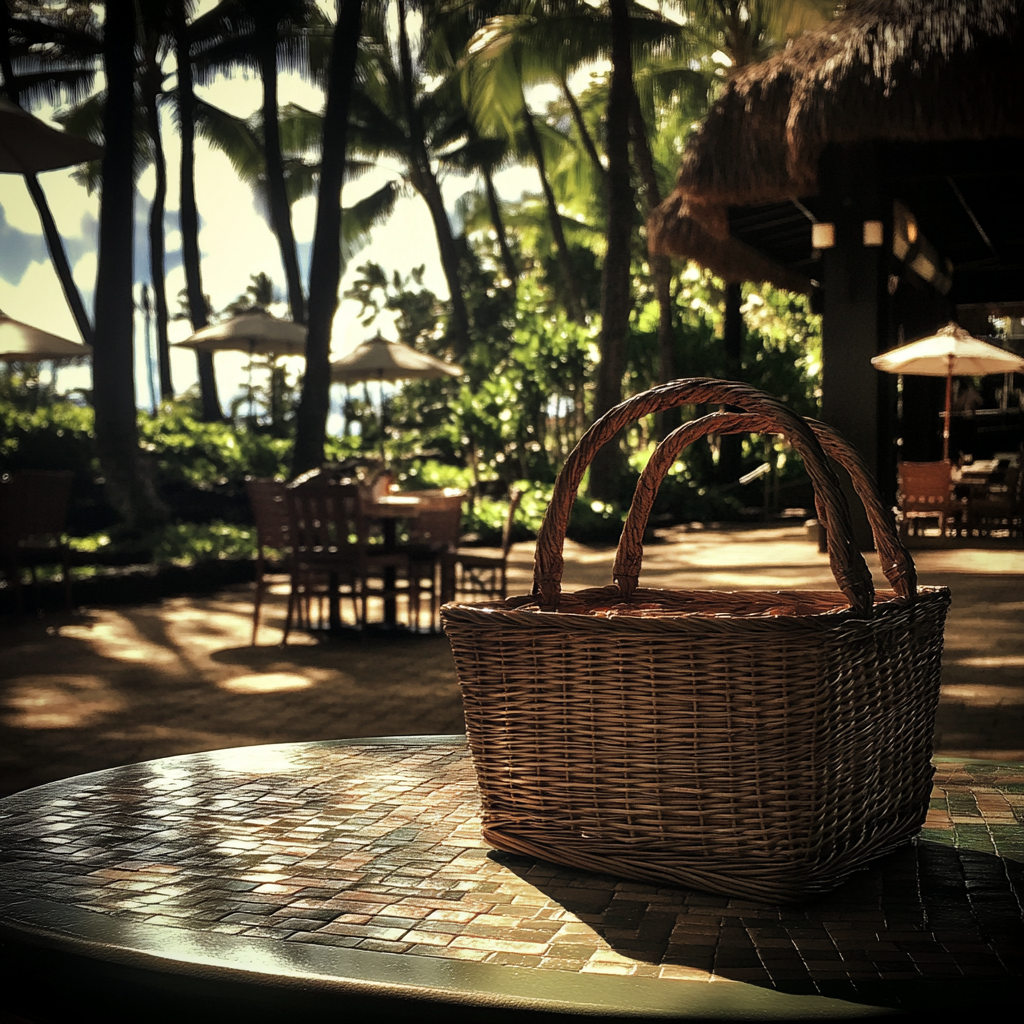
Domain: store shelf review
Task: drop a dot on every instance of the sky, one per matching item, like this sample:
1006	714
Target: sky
235	242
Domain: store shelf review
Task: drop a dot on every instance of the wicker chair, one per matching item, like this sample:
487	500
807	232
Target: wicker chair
1000	512
433	538
329	539
269	501
477	573
33	513
925	492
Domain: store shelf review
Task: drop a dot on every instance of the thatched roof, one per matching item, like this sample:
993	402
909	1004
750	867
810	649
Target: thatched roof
908	70
729	258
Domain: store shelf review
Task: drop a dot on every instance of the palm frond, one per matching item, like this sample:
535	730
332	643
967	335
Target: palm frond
239	141
57	86
301	130
358	220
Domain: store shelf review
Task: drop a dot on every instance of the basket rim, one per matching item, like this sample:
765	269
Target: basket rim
515	610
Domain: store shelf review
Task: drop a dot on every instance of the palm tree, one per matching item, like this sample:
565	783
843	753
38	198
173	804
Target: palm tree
198	313
264	35
128	485
155	45
394	115
75	37
325	265
493	79
615	281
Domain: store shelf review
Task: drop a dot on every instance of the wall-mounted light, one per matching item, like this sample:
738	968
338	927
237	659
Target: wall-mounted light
823	235
873	233
904	230
910	246
934	269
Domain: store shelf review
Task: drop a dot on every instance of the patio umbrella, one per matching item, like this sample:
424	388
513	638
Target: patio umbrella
28	145
257	332
382	360
950	351
23	343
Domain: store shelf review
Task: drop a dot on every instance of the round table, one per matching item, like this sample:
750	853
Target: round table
351	875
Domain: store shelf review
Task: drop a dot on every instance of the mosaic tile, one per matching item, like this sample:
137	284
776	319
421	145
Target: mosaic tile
377	847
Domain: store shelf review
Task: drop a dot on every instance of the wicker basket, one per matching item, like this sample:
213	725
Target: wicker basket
763	745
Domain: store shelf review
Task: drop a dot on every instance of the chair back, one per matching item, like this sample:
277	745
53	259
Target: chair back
515	496
326	520
924	486
34	508
438	521
269	501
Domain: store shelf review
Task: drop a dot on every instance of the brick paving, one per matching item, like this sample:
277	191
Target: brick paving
377	847
112	686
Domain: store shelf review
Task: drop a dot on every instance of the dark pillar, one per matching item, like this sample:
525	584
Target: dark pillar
857	399
918	311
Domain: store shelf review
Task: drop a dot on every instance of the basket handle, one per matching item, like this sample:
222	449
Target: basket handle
848	567
895	560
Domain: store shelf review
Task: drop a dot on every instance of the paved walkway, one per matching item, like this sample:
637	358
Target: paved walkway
112	686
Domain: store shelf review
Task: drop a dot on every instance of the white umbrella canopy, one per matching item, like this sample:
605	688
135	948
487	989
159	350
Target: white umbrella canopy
258	333
21	342
950	352
380	359
28	145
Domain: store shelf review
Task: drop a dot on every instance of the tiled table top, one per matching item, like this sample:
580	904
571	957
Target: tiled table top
346	859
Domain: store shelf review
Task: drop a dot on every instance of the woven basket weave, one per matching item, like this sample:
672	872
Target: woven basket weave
763	745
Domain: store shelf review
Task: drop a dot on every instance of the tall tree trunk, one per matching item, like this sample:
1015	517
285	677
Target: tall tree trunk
661	266
54	243
277	193
157	247
574	304
325	264
129	487
55	246
425	182
607	466
731	445
189	215
581	127
507	259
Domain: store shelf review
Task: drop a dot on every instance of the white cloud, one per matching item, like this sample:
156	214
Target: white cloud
84	274
19	210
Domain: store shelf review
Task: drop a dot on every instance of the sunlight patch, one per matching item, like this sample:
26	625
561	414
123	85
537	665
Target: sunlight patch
109	640
42	702
267	682
981	696
991	661
269	759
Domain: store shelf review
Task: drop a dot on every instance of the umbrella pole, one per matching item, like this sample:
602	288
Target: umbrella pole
949	406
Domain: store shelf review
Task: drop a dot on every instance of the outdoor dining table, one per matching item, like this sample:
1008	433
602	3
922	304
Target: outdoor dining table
388	510
350	878
977	479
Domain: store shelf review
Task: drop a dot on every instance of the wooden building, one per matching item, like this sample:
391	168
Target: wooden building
876	164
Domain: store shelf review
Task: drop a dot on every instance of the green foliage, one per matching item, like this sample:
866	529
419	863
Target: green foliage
173	544
187	543
54	436
204	455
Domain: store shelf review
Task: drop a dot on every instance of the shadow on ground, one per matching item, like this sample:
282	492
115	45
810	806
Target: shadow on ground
880	939
116	685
